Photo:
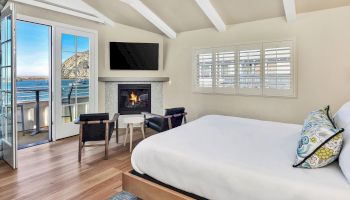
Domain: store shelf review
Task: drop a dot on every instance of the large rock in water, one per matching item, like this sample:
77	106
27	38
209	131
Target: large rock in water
76	66
2	3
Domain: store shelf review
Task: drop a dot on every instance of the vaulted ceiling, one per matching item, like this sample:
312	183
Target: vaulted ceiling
170	17
186	15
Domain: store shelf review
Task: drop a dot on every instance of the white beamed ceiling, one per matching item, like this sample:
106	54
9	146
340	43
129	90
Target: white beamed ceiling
185	15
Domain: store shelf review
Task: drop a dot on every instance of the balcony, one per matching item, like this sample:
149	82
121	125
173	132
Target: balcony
75	99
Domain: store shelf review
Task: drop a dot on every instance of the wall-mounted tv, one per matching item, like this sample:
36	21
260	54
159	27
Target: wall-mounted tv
134	56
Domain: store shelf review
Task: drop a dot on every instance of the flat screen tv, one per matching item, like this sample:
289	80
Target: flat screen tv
134	56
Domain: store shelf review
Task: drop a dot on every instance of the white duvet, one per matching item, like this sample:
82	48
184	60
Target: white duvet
221	157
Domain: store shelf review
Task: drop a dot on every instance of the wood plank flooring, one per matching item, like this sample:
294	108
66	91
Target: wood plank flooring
51	171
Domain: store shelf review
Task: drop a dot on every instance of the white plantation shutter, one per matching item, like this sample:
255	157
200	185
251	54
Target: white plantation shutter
204	68
278	69
265	68
249	70
225	70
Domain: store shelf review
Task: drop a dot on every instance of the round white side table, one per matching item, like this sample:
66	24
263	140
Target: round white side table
131	122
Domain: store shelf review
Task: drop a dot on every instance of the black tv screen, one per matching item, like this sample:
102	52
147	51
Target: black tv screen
134	56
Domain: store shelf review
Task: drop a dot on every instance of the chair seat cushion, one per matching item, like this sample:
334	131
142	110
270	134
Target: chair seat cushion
156	123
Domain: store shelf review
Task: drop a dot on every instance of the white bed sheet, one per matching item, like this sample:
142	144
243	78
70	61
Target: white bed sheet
221	157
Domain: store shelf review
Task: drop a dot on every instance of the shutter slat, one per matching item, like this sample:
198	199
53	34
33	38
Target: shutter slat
204	70
278	68
250	69
225	69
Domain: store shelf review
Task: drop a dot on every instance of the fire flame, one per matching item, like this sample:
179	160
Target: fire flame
133	98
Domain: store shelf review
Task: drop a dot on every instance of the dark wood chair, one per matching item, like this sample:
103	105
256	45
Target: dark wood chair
96	127
172	118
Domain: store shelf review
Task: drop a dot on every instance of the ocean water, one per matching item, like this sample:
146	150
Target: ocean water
25	95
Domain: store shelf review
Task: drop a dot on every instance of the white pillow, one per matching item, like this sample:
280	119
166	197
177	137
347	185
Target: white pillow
342	120
342	117
344	161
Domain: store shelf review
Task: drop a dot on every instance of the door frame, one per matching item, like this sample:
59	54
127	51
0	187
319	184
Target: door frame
13	162
54	63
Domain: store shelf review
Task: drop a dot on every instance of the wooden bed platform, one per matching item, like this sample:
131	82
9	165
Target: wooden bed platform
149	190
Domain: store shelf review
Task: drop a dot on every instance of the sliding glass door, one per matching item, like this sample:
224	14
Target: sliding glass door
8	86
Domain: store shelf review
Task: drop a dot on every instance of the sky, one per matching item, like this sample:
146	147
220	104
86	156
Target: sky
68	45
33	48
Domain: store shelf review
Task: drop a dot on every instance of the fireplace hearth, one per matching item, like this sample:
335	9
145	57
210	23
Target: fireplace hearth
134	98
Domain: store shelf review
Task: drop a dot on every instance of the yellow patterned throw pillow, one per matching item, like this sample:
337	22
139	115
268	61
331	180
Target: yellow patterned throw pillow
320	141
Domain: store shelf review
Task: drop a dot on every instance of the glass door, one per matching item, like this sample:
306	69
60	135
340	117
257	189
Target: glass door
8	86
33	83
74	79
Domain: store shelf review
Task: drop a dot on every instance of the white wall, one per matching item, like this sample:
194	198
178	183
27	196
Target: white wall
322	42
106	34
323	52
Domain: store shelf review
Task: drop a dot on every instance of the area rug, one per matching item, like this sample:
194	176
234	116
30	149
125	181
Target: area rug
124	196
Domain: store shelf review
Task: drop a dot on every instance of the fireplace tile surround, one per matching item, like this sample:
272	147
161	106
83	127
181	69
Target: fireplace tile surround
111	99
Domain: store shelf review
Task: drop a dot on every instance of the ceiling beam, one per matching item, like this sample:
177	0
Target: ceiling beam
98	14
51	5
151	16
212	14
289	10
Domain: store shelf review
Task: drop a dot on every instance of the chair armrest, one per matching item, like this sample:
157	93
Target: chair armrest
94	122
115	120
176	115
115	117
154	115
164	117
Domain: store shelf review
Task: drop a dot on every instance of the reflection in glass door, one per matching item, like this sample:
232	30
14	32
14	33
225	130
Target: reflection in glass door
73	79
7	87
74	76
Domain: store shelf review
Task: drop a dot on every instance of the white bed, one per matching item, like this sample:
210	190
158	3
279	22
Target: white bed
221	157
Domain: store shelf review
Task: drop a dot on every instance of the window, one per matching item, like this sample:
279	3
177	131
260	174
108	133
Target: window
278	68
250	69
215	70
225	69
204	69
265	68
75	76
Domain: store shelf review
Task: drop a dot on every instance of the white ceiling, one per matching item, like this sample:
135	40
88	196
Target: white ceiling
185	15
122	13
182	15
313	5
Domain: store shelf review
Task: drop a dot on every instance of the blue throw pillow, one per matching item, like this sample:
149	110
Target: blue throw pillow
320	143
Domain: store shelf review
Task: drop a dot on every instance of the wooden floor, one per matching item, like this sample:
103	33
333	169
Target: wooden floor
52	171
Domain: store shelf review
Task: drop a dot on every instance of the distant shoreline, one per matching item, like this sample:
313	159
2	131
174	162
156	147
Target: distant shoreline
25	78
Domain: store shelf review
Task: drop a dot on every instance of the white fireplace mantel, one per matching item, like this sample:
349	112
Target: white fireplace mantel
133	79
111	98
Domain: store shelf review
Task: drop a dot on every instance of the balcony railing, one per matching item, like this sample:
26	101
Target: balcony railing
75	97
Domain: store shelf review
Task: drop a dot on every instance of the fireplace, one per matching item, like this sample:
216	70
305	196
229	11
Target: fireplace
134	98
